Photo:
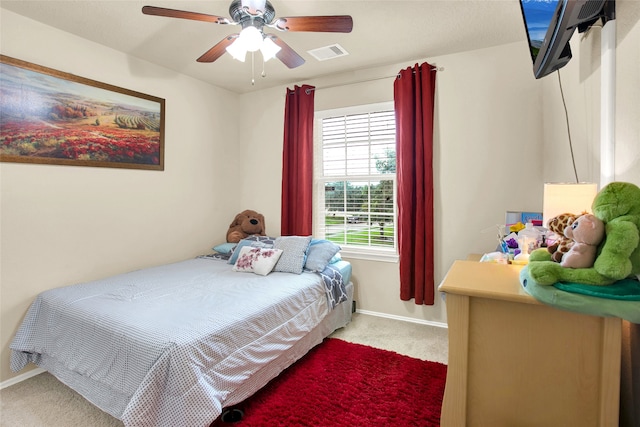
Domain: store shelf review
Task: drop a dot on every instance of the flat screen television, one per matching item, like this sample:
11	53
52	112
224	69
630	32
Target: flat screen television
549	25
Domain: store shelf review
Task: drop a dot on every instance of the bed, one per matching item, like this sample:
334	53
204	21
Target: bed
173	345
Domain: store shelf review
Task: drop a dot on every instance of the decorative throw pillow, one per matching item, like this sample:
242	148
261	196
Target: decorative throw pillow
253	241
257	260
320	254
294	255
224	248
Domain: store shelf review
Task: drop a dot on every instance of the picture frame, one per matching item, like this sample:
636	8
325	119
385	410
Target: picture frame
52	117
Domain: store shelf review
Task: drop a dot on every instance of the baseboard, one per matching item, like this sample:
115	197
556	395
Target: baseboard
21	377
403	318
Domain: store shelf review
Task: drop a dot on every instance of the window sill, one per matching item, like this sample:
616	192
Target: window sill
369	255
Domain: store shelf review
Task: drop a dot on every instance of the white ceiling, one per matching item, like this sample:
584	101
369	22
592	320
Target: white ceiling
384	32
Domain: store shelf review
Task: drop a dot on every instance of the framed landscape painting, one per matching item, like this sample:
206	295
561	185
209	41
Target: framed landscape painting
51	117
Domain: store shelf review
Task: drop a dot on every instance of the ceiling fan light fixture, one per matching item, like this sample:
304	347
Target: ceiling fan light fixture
253	16
269	49
250	38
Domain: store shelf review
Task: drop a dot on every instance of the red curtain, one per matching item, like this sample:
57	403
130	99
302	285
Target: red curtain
414	91
297	162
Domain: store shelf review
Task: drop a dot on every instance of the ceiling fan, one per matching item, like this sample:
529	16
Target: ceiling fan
253	16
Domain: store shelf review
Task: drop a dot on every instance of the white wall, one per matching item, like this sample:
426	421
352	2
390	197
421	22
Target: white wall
61	225
487	158
581	84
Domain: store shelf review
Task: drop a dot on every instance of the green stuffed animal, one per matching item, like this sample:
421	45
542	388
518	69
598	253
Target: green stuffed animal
618	206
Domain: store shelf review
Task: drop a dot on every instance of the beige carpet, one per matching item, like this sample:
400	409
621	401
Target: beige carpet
412	339
43	401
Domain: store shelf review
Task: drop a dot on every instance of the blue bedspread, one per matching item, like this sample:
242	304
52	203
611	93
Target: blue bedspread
165	346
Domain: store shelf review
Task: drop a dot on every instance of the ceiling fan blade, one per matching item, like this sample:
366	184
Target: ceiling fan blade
173	13
254	6
288	56
218	50
321	24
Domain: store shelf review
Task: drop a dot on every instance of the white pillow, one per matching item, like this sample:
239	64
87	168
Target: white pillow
257	260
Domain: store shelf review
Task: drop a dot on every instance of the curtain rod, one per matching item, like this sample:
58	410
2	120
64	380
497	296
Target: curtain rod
395	76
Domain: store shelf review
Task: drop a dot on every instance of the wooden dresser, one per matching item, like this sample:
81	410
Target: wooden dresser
514	362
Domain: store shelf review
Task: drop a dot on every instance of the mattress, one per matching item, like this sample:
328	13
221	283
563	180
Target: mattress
172	345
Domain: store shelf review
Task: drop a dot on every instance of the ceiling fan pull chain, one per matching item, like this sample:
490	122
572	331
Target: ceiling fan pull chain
253	73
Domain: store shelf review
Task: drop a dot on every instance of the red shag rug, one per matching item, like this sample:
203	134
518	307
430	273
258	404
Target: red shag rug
344	384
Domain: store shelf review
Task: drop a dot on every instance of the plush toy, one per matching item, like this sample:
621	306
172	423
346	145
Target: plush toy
246	223
618	206
561	246
587	232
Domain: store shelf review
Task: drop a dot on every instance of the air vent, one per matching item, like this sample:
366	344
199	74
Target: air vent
328	52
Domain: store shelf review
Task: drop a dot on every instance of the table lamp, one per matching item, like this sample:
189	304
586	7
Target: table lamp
560	198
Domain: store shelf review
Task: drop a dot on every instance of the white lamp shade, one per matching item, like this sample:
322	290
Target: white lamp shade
562	198
269	49
251	38
237	50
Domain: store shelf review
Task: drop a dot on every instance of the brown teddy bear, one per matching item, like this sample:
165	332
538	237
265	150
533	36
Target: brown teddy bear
246	223
587	232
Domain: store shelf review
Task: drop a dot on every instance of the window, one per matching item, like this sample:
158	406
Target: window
355	179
